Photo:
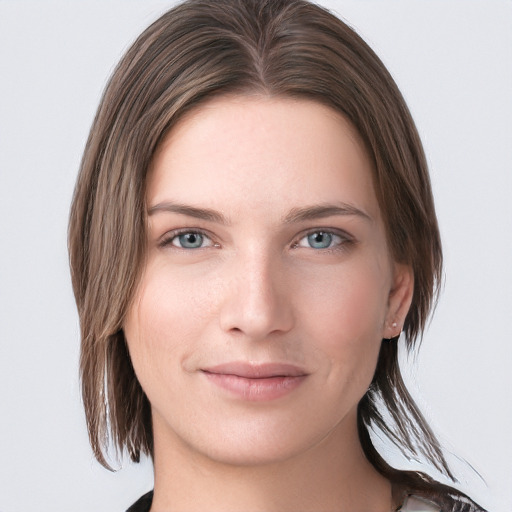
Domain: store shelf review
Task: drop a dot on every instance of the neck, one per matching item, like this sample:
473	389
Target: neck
332	475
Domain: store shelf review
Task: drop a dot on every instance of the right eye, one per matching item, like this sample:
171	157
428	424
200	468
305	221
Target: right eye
188	240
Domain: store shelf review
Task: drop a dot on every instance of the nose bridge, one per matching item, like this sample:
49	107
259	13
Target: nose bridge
256	301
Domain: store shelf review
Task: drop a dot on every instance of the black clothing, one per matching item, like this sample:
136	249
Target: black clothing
142	504
447	504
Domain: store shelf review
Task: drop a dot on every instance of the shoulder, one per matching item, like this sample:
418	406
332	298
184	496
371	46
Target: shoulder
143	504
416	504
417	492
427	502
437	502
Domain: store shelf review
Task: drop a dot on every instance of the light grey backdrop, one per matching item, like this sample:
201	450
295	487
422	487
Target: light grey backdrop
453	62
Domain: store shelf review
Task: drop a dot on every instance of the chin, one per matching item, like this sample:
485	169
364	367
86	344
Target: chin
257	452
246	440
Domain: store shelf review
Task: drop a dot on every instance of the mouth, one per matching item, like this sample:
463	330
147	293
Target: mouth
256	382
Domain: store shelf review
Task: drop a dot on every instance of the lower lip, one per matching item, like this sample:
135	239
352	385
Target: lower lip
256	390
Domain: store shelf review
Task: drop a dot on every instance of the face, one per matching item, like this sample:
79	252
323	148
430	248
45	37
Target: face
268	287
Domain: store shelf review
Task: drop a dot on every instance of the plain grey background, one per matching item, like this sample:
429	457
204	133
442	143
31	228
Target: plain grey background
453	62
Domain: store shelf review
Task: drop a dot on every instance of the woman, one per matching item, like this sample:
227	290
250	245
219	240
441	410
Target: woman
252	229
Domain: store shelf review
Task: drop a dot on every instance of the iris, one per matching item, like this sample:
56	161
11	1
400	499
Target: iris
190	240
320	240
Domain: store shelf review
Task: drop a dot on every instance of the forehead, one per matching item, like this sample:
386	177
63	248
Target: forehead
269	154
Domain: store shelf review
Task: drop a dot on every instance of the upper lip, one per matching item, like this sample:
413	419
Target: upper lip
256	370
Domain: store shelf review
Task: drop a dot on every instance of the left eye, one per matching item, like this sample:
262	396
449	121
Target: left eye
190	240
320	240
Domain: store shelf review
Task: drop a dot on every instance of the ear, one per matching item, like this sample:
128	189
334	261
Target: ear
399	300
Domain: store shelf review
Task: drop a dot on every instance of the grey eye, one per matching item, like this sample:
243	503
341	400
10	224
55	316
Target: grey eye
189	240
320	240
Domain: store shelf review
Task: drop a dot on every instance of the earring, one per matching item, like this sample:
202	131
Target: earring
394	339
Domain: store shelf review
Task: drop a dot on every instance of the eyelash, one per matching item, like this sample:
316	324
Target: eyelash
345	239
168	238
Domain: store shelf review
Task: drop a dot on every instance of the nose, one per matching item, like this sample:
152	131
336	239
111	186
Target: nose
257	300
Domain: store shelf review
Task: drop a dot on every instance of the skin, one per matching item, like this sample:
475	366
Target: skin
257	289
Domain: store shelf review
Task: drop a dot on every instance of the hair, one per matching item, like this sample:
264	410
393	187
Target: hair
203	49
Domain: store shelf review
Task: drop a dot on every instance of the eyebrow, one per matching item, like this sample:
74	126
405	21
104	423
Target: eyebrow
295	215
324	210
191	211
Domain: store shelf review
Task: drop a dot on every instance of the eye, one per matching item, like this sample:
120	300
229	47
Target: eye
321	240
188	240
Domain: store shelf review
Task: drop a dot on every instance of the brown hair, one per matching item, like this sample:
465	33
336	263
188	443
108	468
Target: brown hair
198	50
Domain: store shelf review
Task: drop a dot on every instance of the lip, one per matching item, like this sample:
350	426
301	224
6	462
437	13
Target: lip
256	382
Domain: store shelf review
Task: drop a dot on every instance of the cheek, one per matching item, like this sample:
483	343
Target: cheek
349	303
344	316
151	320
162	325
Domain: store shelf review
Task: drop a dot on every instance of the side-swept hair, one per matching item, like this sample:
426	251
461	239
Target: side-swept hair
197	51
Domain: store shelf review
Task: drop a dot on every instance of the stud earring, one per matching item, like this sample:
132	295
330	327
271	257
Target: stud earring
393	339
